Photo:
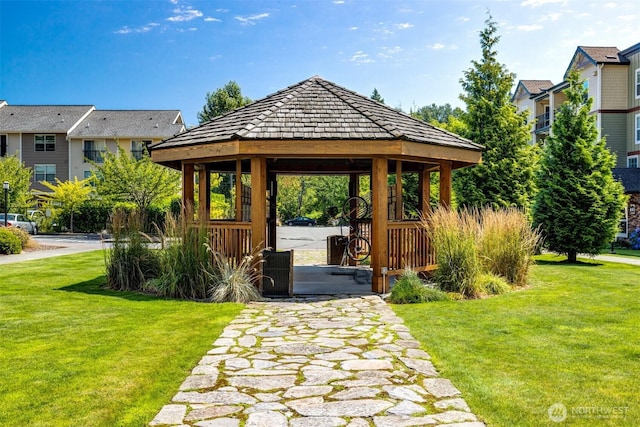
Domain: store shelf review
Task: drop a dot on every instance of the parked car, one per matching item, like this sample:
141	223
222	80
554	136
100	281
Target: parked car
20	221
301	220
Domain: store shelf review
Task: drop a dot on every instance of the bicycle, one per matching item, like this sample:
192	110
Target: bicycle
357	247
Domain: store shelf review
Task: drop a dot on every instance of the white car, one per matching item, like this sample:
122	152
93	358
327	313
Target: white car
20	221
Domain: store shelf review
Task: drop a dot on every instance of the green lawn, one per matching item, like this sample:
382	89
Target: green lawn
74	354
621	252
571	338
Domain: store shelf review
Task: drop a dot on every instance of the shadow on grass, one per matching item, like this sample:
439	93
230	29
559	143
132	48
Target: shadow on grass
563	261
95	286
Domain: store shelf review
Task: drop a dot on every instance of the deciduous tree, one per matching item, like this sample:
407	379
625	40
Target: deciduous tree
579	203
144	183
68	195
223	100
19	178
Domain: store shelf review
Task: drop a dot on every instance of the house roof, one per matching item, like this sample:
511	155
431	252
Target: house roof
629	177
130	124
631	50
585	55
530	88
535	87
41	118
316	109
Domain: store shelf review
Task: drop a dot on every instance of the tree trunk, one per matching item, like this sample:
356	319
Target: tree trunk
572	256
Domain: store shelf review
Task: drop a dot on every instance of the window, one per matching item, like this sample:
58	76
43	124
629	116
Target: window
45	173
637	129
632	162
138	148
585	85
45	142
88	174
638	83
93	151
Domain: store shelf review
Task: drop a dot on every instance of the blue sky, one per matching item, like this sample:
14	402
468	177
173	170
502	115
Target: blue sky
166	54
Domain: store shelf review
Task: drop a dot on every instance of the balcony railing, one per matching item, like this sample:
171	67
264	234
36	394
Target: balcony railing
94	155
542	122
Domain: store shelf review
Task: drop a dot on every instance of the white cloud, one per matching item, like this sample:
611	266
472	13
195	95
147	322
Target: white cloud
538	3
437	46
222	10
183	14
143	29
338	2
251	20
211	19
463	19
361	58
173	1
353	28
610	5
628	18
404	26
532	27
553	16
388	52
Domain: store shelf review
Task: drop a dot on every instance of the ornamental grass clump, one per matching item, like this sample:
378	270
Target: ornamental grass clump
454	236
186	270
409	289
235	283
507	244
130	262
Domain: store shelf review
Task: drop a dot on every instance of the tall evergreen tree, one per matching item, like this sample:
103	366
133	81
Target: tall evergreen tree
506	175
223	100
579	203
375	95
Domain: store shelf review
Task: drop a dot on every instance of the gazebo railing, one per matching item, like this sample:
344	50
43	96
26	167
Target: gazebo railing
409	246
230	238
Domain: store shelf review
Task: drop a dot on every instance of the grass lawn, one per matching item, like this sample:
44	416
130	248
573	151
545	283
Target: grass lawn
622	252
571	338
74	354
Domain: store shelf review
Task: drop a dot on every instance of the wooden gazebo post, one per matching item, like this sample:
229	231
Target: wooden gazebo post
258	203
445	183
379	219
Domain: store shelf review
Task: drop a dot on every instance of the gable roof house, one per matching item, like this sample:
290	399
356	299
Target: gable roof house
612	77
130	130
49	138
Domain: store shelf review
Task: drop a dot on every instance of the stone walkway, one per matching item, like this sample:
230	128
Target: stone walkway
314	363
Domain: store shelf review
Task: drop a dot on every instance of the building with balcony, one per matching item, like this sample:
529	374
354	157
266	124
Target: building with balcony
612	77
64	141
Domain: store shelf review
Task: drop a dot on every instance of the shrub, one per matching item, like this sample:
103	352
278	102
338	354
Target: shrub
22	235
454	237
492	284
410	289
236	283
9	242
186	270
507	244
130	262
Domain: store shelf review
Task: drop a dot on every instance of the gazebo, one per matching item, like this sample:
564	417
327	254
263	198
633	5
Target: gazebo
318	127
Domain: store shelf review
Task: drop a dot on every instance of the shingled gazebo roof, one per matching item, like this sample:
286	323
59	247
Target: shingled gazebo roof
316	109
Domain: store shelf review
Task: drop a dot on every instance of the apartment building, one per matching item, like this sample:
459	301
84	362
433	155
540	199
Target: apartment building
612	77
61	141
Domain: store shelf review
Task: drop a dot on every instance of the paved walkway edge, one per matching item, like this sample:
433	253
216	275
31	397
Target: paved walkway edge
313	363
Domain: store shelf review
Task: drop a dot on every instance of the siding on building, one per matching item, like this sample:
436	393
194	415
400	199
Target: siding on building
59	157
615	86
614	130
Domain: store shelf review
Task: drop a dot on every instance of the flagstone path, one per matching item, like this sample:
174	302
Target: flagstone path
316	362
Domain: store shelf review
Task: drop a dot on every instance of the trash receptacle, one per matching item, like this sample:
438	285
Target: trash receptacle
335	249
278	273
